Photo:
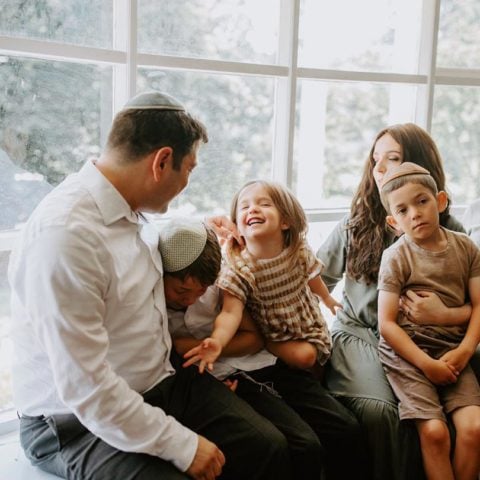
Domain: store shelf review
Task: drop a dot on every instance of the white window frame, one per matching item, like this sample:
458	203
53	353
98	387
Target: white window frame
125	60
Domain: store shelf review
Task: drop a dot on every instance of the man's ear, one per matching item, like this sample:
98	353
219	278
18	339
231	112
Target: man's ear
442	201
392	223
163	156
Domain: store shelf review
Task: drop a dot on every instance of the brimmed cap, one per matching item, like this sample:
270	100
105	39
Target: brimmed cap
405	168
181	242
153	101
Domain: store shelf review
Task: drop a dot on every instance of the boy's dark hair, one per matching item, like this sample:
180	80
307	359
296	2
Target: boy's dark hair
137	132
207	266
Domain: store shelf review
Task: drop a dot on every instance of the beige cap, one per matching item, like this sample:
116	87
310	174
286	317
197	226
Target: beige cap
181	242
153	101
405	168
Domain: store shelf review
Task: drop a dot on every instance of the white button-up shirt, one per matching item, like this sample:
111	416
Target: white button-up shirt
89	322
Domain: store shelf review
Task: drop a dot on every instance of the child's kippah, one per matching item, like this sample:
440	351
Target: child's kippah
153	101
405	168
181	242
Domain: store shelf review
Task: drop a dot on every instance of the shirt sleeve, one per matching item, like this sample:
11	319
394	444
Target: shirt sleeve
230	281
314	265
64	285
391	275
333	255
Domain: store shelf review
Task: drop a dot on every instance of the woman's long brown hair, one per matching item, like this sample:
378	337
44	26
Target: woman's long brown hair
368	234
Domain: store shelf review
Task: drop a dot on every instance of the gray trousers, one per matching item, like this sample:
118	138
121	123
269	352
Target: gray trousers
253	447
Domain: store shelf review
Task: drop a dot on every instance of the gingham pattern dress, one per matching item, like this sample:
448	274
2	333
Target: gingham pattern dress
278	297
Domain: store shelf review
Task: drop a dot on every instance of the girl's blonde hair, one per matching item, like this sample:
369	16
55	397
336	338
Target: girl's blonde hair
291	213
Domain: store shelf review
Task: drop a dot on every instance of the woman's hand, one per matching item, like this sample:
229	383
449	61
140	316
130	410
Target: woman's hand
426	308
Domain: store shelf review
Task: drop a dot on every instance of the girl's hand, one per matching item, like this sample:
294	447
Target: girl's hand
225	229
332	304
206	353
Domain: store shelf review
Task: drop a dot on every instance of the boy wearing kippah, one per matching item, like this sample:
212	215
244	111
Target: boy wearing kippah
427	365
284	396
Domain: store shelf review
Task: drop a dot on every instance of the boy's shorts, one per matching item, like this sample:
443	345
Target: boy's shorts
420	399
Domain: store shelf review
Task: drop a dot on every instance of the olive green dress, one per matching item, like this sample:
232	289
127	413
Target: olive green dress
355	375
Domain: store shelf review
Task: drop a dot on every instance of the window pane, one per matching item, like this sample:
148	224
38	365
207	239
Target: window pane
458	37
235	30
336	125
456	117
50	122
370	35
238	113
5	346
68	21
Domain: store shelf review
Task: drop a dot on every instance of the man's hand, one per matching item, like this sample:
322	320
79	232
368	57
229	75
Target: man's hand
208	461
206	353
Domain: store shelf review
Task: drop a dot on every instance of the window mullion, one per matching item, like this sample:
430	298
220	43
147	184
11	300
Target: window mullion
427	62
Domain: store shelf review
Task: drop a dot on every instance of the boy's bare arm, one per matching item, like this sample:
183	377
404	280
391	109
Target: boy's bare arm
460	356
436	371
184	344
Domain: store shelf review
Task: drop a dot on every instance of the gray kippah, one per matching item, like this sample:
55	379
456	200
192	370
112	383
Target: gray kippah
181	242
153	101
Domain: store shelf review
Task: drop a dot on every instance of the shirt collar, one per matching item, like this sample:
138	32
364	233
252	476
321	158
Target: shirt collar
110	202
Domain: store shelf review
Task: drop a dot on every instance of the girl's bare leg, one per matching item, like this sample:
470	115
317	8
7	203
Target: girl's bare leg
296	353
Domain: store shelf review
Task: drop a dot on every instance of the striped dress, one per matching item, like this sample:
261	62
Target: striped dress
278	297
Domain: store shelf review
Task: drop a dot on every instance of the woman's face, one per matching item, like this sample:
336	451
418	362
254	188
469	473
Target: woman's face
386	154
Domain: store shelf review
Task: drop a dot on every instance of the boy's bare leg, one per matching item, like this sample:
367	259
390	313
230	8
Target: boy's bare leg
435	445
295	353
466	460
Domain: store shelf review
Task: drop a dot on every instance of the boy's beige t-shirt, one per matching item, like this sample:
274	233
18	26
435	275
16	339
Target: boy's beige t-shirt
406	266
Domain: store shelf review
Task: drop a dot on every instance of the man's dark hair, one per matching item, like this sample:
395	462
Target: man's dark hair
139	132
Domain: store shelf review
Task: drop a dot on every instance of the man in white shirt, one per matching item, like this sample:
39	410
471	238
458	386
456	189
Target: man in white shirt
93	382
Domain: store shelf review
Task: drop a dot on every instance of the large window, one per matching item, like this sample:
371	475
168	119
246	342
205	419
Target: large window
293	90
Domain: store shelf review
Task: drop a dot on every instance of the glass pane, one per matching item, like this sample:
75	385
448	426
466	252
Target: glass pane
370	35
69	21
235	30
238	113
336	125
5	344
50	122
458	37
456	117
